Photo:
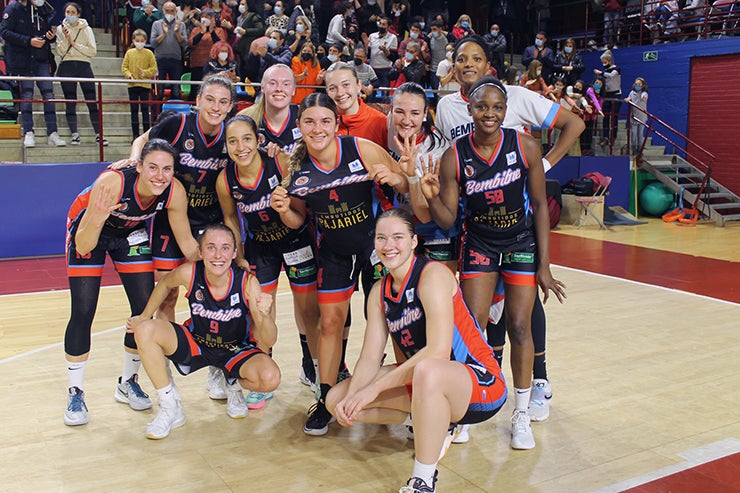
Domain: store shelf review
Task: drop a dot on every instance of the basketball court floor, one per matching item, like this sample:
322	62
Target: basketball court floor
643	358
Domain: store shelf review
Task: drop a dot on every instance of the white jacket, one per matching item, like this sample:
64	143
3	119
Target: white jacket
84	42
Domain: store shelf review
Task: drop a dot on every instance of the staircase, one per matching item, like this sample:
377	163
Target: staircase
116	119
716	202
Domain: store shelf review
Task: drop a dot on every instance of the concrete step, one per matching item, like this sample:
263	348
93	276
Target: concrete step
111	119
13	151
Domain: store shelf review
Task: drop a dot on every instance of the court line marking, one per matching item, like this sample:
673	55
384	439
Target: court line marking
94	334
694	457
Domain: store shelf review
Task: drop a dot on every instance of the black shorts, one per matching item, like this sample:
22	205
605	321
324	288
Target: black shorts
441	249
130	255
338	274
191	356
515	260
166	253
297	256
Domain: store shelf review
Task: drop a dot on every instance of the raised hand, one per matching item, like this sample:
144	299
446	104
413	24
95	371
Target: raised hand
409	151
429	182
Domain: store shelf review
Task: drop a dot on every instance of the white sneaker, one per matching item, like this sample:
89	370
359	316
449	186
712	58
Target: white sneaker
129	392
216	384
75	141
539	403
236	404
463	436
55	140
29	140
450	438
76	412
521	431
168	418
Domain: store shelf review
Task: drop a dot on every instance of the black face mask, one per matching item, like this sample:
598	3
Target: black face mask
358	61
305	56
382	30
320	55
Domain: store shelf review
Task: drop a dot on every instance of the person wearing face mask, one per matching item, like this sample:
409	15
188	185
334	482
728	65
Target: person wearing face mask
145	16
497	47
568	63
222	15
300	35
168	40
416	36
638	96
368	14
594	94
278	19
365	73
446	72
540	51
463	27
612	97
383	49
249	26
202	40
339	25
139	63
532	79
307	70
222	61
410	68
26	30
437	41
265	56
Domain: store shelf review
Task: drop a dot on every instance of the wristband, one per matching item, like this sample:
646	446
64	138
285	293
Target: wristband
546	164
412	179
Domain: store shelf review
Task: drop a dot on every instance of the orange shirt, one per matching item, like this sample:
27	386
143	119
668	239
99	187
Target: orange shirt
299	66
367	123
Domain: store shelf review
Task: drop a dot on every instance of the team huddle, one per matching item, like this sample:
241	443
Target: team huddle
332	193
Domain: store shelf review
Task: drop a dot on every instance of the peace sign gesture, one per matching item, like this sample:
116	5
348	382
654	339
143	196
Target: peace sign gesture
430	185
409	150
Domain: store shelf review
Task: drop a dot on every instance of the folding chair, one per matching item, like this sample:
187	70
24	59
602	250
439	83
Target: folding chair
177	105
589	203
185	88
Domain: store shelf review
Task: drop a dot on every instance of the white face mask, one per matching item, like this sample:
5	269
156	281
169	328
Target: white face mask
242	8
139	45
206	22
448	54
223	56
39	3
169	17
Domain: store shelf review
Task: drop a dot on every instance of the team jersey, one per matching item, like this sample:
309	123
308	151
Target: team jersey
130	216
406	320
286	137
224	323
524	109
496	202
342	200
201	159
261	222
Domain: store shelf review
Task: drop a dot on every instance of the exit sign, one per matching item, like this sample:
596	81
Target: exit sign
649	56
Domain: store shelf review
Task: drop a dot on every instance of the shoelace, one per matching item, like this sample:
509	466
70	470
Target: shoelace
77	403
136	388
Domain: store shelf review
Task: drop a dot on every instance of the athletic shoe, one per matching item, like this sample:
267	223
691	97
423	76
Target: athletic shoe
97	140
306	379
75	140
236	405
257	400
418	485
171	415
539	403
409	432
318	420
76	413
344	373
216	384
463	436
55	140
29	140
129	392
452	433
521	431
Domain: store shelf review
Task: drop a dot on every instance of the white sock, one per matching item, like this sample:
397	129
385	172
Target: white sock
76	373
131	365
167	394
424	471
522	398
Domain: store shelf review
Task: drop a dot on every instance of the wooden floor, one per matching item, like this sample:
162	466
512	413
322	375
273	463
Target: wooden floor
644	375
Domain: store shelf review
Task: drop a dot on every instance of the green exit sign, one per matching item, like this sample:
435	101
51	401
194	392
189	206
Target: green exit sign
649	56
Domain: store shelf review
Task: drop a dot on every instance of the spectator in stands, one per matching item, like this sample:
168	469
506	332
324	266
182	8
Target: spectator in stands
446	72
202	39
532	79
307	11
568	63
307	70
437	51
26	29
612	97
188	16
398	14
497	48
266	56
595	99
410	68
333	55
222	61
145	16
612	16
541	52
221	14
365	73
338	26
249	26
278	20
76	47
383	48
138	63
300	35
168	40
463	27
512	74
430	9
368	15
638	96
415	36
560	96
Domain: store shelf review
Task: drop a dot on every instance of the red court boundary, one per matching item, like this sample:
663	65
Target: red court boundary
719	475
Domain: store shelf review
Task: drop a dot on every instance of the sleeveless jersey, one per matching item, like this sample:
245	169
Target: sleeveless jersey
496	202
262	222
286	137
201	159
220	324
342	200
131	216
406	321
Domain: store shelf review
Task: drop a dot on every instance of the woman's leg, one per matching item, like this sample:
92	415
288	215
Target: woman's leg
69	89
132	96
478	293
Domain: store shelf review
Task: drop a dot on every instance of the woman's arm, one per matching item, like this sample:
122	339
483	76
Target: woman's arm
292	210
177	215
231	217
103	200
179	277
265	330
442	191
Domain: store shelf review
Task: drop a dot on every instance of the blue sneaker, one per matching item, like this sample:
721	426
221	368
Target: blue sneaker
257	400
129	392
76	413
